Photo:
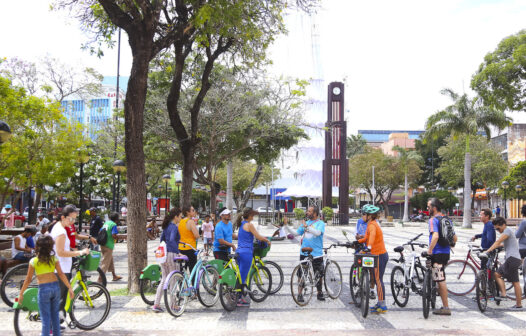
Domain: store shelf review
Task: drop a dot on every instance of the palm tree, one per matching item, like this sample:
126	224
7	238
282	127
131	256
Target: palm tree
465	117
406	157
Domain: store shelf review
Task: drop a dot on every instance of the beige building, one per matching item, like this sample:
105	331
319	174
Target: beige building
397	139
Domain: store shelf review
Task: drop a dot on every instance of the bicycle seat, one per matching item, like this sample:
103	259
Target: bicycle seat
181	258
306	249
399	249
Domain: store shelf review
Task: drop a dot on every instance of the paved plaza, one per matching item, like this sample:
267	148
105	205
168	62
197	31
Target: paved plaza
279	315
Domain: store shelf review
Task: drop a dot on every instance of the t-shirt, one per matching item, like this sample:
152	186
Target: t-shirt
310	240
111	229
361	227
208	228
65	262
43	268
222	231
44	221
511	245
374	237
72	235
22	244
434	225
521	235
488	236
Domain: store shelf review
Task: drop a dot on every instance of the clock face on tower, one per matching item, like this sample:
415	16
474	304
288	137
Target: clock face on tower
336	91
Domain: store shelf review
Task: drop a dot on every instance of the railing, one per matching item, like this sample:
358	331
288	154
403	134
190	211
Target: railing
265	218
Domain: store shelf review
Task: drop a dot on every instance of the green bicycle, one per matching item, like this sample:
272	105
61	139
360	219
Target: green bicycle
148	282
87	310
259	283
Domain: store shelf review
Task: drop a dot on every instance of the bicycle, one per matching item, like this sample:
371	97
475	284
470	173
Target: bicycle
148	282
429	288
360	279
410	277
179	287
462	273
91	301
230	284
275	270
304	278
14	279
486	285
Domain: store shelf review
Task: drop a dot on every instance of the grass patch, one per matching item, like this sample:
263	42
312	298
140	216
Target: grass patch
122	292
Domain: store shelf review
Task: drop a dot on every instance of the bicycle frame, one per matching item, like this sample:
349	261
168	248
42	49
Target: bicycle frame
188	279
82	287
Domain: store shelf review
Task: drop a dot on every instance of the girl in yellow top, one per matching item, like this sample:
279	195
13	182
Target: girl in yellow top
189	234
45	264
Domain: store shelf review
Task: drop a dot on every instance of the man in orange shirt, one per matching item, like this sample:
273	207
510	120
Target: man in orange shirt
374	239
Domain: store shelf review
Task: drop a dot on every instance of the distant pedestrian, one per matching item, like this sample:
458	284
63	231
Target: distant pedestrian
497	210
41	220
106	263
95	223
208	233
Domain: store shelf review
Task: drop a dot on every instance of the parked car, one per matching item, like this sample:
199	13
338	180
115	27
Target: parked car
264	210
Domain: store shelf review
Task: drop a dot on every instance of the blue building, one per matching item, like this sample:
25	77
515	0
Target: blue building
95	113
375	138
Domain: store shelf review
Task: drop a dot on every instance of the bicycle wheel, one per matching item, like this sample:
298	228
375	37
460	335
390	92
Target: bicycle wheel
176	294
426	294
148	290
364	293
333	279
277	276
434	293
461	277
89	311
481	290
398	289
228	297
13	281
354	284
26	323
301	285
207	286
94	276
259	284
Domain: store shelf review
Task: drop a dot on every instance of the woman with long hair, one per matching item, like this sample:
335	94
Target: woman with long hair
45	264
189	234
245	246
171	237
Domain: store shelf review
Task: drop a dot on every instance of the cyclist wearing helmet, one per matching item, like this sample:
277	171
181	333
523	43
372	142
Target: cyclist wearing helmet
374	238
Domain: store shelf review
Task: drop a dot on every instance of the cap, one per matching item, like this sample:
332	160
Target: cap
225	212
7	206
92	209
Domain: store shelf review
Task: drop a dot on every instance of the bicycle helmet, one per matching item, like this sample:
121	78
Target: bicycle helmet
370	209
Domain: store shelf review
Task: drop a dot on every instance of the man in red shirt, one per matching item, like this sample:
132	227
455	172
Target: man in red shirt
73	236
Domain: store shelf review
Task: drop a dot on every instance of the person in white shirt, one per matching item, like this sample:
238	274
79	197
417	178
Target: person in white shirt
208	233
41	220
19	248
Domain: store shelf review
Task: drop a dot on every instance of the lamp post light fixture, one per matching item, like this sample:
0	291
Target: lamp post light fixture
5	132
166	179
118	168
518	189
505	186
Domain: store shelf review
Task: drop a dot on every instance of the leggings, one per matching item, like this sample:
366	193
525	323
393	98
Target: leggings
167	267
244	261
192	259
379	275
64	292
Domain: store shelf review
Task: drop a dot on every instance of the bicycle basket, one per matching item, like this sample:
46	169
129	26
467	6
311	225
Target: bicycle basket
90	262
260	251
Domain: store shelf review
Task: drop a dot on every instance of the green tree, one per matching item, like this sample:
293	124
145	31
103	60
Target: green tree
516	176
465	117
43	148
428	150
487	165
409	159
419	201
356	144
500	79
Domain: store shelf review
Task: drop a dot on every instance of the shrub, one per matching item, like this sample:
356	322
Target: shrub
328	213
300	213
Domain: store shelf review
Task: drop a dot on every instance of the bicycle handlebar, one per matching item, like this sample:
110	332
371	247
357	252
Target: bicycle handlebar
412	240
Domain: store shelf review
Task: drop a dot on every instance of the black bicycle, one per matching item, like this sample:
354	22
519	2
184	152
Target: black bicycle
485	284
429	288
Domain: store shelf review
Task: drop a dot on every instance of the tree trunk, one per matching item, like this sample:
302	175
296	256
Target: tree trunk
406	201
229	194
248	191
135	169
34	210
213	196
188	175
466	223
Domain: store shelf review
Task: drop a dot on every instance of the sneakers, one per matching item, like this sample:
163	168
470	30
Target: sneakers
242	302
516	307
157	309
442	311
300	298
372	295
378	309
321	297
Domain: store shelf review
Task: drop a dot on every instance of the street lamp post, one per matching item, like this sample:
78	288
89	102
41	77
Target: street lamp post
178	183
450	189
518	189
166	179
505	186
5	132
82	159
118	167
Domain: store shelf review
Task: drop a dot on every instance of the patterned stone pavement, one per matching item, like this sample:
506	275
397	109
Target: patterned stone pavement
279	315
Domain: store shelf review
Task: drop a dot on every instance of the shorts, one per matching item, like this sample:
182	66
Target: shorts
523	253
439	262
208	241
510	269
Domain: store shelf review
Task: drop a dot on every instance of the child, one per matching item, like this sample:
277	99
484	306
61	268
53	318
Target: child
280	232
208	233
45	264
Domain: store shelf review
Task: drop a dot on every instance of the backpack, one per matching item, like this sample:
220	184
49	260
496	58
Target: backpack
102	236
446	231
